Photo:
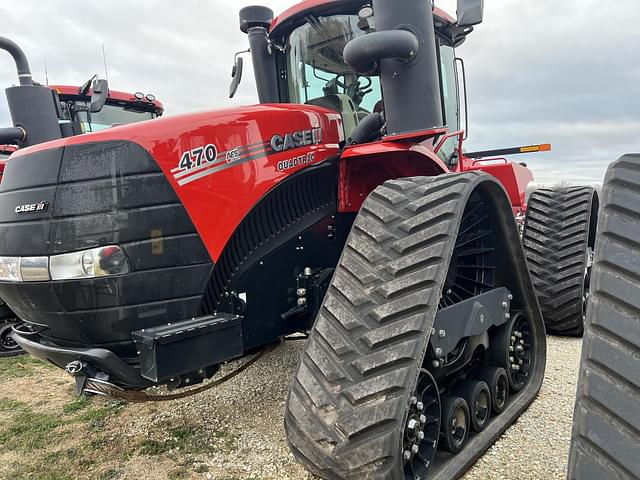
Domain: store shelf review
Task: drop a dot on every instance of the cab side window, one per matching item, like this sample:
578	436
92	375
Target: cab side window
450	99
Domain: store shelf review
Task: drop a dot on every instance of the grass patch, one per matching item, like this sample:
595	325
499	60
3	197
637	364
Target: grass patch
187	439
7	405
97	416
76	405
57	465
28	431
22	366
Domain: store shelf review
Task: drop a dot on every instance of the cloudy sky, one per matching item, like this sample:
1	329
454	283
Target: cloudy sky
563	72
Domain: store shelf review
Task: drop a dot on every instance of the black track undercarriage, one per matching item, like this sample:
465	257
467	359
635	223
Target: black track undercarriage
429	342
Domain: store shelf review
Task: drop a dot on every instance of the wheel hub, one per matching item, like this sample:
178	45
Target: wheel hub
422	428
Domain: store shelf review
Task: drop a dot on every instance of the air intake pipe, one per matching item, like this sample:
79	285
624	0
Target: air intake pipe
33	107
255	21
402	51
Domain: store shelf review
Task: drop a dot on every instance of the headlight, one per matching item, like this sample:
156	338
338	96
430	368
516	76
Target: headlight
10	269
96	262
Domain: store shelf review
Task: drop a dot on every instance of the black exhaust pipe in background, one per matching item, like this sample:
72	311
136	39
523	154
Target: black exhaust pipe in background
403	51
33	107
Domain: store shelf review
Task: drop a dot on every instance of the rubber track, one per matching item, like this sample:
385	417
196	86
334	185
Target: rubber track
555	241
348	401
606	431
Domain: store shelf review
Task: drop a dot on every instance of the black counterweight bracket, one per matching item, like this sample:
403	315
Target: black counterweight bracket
469	318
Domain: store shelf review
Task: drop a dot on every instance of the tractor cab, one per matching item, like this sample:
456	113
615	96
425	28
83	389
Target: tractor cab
308	42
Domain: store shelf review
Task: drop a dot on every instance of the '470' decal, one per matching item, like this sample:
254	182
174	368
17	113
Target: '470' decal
197	157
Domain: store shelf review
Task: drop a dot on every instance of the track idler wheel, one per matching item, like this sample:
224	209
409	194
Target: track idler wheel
8	347
498	381
422	427
478	398
512	348
456	421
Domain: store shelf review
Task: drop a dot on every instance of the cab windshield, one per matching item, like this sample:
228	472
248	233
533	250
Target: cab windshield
109	116
318	74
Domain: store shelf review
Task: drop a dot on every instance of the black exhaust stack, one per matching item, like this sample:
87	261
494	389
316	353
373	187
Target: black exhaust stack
33	107
402	51
255	22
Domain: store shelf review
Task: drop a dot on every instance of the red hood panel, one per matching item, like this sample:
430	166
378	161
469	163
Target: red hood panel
221	163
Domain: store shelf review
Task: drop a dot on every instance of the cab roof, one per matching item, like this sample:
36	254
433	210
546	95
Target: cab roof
114	96
296	11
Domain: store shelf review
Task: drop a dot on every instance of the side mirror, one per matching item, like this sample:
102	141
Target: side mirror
236	76
470	12
99	95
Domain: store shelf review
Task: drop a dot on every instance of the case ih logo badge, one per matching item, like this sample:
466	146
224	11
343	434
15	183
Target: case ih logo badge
297	139
32	207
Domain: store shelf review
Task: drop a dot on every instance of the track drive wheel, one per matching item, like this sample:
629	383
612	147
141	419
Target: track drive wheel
558	238
351	403
8	347
455	423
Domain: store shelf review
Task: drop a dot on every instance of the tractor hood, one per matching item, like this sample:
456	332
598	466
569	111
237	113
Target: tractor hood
165	194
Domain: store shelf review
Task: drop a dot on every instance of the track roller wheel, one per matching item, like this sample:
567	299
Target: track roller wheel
478	397
455	423
498	381
512	349
422	428
558	239
8	347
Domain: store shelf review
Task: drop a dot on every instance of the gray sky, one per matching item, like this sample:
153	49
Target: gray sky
553	71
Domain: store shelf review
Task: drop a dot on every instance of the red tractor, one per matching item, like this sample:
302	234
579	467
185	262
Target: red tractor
79	110
342	206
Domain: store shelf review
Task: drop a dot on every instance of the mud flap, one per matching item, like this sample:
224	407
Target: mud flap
349	400
606	428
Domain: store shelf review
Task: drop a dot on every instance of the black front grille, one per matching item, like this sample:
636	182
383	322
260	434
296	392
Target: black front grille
99	194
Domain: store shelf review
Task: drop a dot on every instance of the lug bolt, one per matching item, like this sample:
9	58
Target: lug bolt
511	348
511	359
481	317
515	368
420	435
412	424
436	364
505	304
414	448
419	405
507	315
438	352
307	271
414	400
302	301
510	297
301	292
518	334
407	455
423	419
442	333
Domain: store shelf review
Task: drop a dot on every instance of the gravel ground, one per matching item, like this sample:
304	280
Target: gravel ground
242	435
250	406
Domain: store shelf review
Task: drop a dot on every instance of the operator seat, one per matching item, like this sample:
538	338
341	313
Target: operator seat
342	104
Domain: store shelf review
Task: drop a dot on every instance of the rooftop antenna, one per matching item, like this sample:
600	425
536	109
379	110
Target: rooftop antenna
104	60
46	72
